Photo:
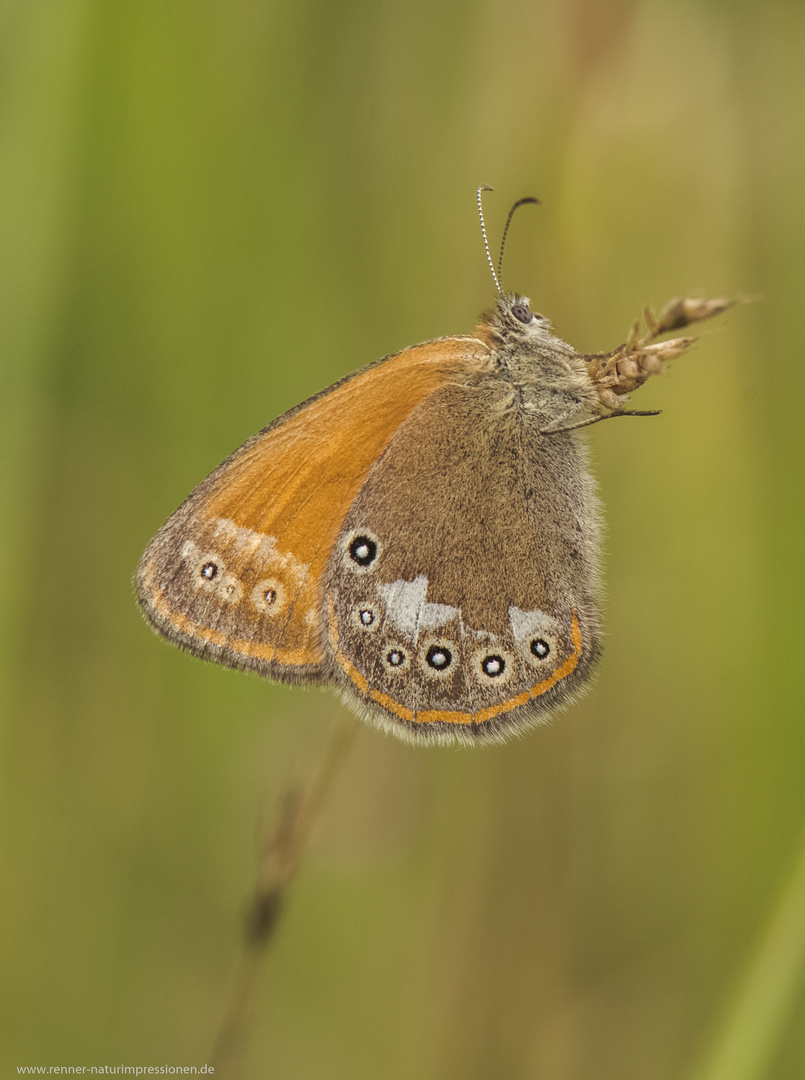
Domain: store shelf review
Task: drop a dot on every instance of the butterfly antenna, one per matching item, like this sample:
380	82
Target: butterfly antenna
519	203
482	188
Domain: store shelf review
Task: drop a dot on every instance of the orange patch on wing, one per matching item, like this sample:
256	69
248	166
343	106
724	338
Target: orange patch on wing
178	620
444	716
392	705
504	707
560	673
360	681
332	622
297	482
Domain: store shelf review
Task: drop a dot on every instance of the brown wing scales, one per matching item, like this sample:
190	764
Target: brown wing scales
477	607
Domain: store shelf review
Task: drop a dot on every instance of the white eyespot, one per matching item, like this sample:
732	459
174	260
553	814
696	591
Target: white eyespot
492	665
361	551
538	636
540	648
542	651
438	658
230	589
268	596
366	617
207	570
396	658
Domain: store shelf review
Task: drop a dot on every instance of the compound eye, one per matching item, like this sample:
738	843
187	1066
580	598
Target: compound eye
521	313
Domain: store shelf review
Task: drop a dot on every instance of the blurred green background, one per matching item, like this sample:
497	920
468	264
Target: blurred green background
209	211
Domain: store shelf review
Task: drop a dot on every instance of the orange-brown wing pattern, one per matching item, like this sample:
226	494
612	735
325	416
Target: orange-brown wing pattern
235	574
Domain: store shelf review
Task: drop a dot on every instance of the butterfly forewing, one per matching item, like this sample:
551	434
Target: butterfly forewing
236	573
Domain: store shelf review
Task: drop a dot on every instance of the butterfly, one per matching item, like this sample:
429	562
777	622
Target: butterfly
424	534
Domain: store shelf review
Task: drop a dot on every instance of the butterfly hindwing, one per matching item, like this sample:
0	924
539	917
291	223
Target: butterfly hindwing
461	589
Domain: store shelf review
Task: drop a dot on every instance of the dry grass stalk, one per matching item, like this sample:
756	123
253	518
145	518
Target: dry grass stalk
282	851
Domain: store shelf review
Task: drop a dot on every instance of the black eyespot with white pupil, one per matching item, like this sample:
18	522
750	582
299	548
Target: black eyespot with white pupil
367	616
493	665
363	550
540	648
438	657
209	571
395	658
521	313
270	596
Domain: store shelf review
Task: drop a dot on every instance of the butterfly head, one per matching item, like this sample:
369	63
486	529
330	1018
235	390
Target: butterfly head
512	322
